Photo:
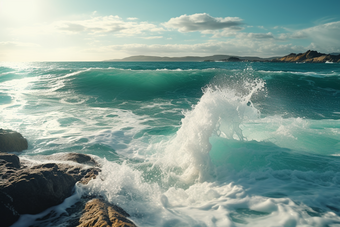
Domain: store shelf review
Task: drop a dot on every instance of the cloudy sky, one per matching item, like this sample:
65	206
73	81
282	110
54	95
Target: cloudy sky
92	30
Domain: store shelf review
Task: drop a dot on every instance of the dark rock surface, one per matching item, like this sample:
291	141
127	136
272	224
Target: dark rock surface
80	158
89	211
12	141
38	188
99	213
26	190
9	160
8	214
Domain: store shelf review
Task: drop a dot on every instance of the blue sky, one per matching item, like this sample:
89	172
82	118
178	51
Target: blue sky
84	30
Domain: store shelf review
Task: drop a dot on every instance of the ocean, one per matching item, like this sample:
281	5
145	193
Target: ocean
187	143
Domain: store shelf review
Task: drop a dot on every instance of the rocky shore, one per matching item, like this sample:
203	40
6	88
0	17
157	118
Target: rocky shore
28	188
310	57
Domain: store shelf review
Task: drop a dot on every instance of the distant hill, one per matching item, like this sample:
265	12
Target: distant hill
191	58
310	56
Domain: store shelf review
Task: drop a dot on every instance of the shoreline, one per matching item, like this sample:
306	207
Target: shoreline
308	57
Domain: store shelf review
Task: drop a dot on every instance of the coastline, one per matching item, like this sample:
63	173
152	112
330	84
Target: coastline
309	56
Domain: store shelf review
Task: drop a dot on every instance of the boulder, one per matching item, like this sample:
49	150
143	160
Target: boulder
26	190
36	189
99	213
80	158
12	141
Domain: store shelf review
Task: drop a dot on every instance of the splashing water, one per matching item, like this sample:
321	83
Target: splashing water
220	111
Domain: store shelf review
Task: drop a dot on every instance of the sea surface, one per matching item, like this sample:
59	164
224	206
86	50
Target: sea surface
187	143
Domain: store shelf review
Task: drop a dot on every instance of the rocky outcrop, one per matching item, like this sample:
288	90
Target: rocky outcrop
80	158
27	188
32	190
12	141
38	188
9	161
99	213
310	56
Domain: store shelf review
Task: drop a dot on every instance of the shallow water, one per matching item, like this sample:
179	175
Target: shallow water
188	144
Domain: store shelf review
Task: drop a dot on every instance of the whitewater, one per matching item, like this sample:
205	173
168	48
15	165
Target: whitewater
187	143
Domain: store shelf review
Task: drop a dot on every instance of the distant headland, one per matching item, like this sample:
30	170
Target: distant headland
309	56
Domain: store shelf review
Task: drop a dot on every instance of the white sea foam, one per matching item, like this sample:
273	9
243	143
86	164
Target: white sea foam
311	74
221	111
218	203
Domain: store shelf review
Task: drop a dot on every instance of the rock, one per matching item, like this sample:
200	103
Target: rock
91	174
310	56
98	213
32	190
9	160
73	157
80	158
38	188
12	141
8	215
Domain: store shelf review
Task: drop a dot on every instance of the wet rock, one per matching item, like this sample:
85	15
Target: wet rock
32	190
83	159
12	141
80	158
9	160
90	174
36	189
98	213
8	215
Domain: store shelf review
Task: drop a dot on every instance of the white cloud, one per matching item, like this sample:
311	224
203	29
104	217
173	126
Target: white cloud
95	25
106	25
323	37
268	35
237	34
132	18
11	44
153	37
202	22
325	32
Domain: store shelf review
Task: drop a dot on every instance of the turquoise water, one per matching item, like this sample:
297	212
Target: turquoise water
189	144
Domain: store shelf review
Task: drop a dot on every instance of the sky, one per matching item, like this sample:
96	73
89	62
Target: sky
96	30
